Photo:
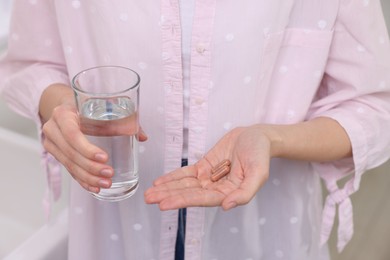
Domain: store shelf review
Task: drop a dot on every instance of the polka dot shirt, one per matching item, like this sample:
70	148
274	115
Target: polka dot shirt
251	62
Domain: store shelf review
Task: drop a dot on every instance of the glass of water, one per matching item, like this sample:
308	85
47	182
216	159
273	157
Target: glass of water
107	100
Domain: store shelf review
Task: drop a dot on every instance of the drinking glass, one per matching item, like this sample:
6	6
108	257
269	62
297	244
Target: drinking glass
107	99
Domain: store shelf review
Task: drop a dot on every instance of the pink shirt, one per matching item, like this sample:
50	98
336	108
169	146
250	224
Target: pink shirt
252	62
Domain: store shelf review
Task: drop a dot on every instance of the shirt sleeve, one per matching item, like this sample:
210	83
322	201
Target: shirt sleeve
355	91
34	59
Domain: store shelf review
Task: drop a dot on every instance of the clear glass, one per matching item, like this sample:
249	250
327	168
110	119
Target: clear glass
107	100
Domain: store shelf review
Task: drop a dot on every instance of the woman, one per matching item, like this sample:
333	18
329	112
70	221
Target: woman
288	91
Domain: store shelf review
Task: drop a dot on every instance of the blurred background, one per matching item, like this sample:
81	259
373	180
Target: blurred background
371	203
8	119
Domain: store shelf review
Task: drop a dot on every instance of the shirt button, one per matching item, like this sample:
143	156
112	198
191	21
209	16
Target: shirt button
174	139
194	241
168	89
200	48
165	56
198	155
199	101
173	29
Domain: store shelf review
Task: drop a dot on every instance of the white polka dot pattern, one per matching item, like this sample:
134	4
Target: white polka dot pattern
137	227
114	237
250	63
76	4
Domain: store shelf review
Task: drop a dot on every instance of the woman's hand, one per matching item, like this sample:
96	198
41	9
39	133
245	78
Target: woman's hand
65	141
248	149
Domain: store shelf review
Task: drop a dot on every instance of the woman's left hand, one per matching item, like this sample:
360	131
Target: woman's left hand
248	149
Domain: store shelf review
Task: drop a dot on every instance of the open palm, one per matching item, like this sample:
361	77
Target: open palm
248	149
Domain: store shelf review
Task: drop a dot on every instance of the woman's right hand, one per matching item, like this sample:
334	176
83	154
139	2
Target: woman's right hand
84	161
65	141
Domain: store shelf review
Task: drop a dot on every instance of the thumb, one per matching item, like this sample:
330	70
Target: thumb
254	178
142	137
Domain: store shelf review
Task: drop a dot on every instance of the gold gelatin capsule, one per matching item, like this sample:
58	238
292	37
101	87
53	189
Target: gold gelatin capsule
225	162
220	173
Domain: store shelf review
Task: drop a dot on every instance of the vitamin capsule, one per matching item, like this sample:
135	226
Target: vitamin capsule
225	162
220	173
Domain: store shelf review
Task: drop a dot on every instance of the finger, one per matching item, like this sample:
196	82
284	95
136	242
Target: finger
190	196
142	137
88	187
254	177
77	172
184	183
184	172
194	197
80	143
53	134
157	194
68	124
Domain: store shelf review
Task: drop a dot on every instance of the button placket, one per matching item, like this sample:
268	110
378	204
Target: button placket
202	31
172	75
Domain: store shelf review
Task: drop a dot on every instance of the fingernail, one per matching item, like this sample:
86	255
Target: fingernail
142	135
106	173
100	157
104	183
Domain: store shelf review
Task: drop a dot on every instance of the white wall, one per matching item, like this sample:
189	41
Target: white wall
5	6
386	11
9	119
